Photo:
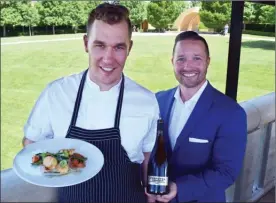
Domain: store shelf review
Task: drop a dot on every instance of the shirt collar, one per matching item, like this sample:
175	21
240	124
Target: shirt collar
95	87
192	101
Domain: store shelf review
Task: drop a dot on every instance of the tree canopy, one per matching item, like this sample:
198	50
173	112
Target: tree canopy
215	14
160	14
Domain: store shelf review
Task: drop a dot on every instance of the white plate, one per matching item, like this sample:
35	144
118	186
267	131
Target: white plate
23	168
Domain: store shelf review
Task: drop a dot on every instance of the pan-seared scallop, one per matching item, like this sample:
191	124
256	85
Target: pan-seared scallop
50	162
62	167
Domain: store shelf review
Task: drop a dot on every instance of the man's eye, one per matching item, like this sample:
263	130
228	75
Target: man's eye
197	58
119	48
180	59
99	45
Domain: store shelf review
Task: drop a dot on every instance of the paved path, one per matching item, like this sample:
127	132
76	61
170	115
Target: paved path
134	34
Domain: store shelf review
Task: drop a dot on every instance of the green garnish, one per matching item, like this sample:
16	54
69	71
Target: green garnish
63	163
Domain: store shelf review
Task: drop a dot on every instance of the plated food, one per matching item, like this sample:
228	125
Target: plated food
60	163
76	153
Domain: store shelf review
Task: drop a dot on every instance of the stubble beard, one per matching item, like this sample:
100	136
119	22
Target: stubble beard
188	84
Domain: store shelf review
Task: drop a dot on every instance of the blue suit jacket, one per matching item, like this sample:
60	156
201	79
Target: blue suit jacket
203	171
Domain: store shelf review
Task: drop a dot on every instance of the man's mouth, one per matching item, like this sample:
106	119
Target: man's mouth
189	75
107	69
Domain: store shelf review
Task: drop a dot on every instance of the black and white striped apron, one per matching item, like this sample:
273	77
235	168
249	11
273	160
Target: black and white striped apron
119	180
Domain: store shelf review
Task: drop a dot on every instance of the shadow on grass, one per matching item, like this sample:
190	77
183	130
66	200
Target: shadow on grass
261	44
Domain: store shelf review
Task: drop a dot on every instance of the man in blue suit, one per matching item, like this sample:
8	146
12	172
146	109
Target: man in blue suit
205	131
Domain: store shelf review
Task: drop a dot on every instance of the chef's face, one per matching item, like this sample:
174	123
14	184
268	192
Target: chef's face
108	47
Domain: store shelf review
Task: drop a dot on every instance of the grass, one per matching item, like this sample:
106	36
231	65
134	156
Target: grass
27	68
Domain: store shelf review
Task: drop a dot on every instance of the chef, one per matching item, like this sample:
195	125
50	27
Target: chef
104	107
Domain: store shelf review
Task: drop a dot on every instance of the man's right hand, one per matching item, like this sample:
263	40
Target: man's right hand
26	141
150	198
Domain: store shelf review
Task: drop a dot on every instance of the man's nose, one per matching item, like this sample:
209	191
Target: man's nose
108	55
187	63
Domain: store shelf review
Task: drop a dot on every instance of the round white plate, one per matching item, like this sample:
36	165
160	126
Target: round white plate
25	170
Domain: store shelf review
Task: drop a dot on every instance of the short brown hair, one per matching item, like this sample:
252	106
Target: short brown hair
192	36
111	14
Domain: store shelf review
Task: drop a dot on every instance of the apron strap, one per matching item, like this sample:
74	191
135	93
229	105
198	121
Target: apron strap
78	101
119	103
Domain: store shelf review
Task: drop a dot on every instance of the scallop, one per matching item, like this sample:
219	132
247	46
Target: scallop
50	162
62	170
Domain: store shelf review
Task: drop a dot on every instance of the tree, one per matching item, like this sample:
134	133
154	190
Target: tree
215	14
194	3
9	15
162	13
177	8
91	4
75	14
52	13
137	11
268	15
29	15
257	12
248	14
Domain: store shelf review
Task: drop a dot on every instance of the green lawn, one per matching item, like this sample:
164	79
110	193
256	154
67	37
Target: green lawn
27	68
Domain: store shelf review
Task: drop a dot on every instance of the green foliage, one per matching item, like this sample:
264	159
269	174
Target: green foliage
52	12
75	14
268	15
202	26
195	3
259	13
29	14
91	4
9	13
162	13
215	14
137	11
248	13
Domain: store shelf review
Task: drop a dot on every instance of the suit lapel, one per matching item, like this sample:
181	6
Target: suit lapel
167	112
201	108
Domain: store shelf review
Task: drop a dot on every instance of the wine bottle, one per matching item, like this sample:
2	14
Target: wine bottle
157	179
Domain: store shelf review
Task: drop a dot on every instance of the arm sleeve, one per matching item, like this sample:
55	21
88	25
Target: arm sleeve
38	125
150	138
228	154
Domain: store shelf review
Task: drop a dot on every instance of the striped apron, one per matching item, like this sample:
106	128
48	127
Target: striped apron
119	180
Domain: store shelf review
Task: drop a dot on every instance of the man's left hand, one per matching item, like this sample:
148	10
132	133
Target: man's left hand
170	196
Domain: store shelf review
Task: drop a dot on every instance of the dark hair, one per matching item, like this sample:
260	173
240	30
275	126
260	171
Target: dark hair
111	14
190	35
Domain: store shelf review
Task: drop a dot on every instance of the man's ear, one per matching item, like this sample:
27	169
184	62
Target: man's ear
208	61
172	60
85	42
130	46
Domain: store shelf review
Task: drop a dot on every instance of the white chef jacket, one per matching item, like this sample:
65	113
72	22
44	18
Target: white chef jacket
53	111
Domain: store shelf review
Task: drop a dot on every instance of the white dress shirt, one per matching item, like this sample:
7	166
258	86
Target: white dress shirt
181	111
52	113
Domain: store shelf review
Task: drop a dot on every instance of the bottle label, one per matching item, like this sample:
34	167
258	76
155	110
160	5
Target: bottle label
157	180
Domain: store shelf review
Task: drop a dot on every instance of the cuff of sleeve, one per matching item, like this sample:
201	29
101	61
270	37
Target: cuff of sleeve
148	147
32	133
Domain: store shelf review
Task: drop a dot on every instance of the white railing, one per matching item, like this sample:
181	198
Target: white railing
256	178
259	168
